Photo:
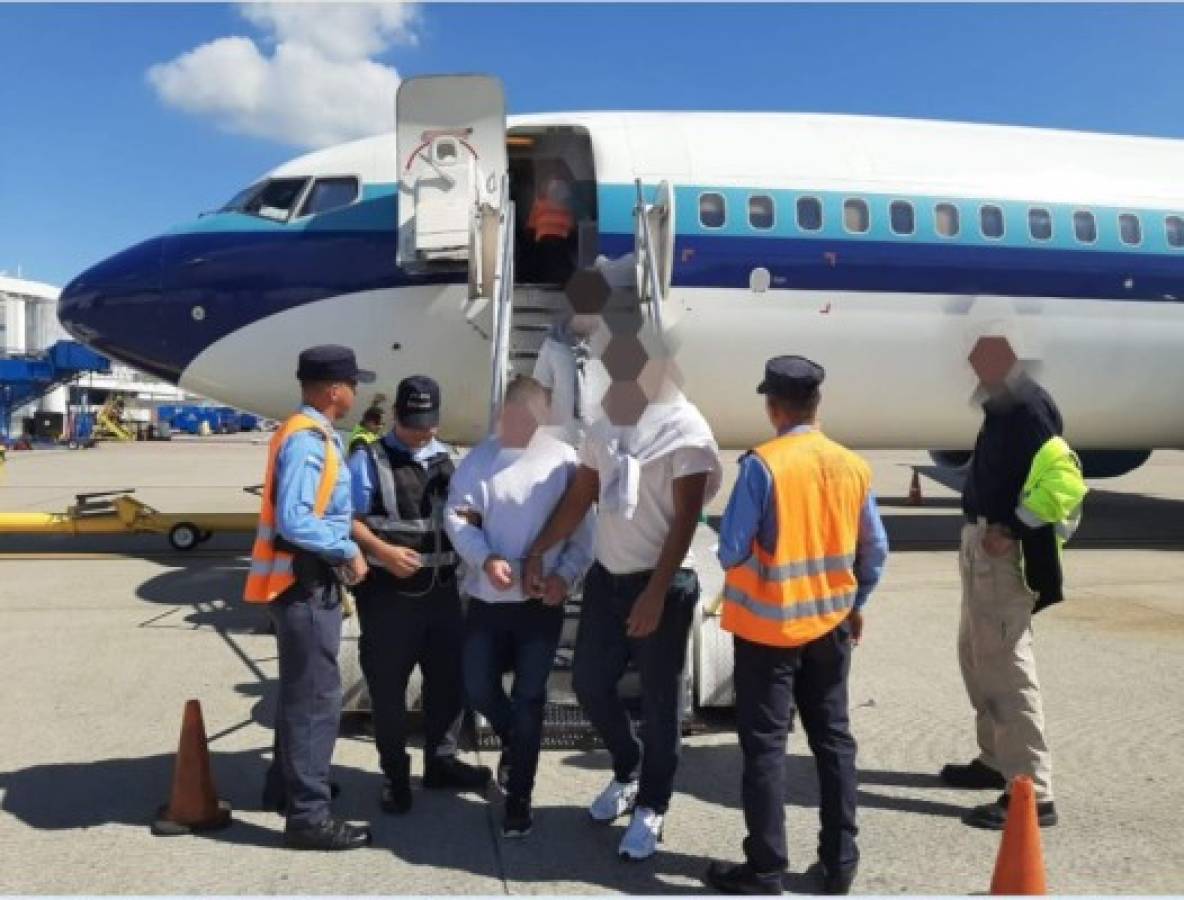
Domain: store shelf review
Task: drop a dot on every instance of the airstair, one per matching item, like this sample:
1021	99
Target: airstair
26	378
456	213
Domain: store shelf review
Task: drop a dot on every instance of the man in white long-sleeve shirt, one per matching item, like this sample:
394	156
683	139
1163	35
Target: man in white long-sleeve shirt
501	496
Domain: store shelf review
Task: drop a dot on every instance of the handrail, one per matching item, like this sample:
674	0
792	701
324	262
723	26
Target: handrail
647	249
503	302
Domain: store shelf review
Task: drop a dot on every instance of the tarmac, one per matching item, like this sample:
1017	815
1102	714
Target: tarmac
104	641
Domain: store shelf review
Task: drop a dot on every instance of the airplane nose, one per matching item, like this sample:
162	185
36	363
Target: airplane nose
113	307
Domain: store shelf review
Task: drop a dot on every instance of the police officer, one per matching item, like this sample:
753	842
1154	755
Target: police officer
302	553
803	547
409	607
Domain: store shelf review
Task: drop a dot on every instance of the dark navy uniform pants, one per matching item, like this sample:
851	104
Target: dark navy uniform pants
770	681
399	632
307	622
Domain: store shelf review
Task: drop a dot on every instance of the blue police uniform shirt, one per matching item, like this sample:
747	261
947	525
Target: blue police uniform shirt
298	475
751	516
365	476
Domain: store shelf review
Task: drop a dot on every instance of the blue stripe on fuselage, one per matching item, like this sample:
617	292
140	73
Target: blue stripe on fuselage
252	268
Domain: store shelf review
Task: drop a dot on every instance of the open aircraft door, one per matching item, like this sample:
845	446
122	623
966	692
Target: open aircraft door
450	134
654	245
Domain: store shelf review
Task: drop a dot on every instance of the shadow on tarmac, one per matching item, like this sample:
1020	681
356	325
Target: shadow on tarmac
717	781
67	796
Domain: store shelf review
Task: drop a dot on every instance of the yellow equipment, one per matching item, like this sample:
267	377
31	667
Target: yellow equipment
109	424
117	512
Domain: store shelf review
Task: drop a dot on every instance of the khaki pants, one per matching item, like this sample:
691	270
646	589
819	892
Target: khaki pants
998	665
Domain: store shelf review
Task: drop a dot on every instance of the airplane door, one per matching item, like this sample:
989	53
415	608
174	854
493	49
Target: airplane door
450	134
659	221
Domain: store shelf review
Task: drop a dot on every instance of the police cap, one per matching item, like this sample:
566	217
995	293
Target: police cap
417	402
791	377
331	362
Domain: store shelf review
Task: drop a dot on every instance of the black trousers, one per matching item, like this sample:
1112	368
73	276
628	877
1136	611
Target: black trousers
400	632
769	682
307	622
603	649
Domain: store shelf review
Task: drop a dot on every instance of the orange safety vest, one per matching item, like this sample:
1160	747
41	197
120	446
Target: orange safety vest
549	219
271	569
806	586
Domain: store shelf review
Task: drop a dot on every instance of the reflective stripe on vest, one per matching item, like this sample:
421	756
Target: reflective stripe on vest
271	569
806	586
392	526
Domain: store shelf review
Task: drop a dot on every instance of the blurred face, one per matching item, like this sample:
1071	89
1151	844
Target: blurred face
583	324
519	421
415	438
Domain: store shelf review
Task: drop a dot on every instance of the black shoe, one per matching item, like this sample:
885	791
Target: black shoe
332	834
838	882
518	820
395	797
973	776
276	800
503	770
728	878
449	773
993	816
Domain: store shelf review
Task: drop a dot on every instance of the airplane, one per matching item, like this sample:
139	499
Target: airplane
885	249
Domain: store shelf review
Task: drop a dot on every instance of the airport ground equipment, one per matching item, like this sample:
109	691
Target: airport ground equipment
25	378
118	512
110	424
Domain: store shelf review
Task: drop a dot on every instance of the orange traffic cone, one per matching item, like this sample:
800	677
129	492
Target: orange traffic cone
915	490
193	804
1019	870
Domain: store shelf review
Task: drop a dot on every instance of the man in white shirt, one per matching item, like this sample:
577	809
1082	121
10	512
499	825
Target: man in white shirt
565	370
651	482
500	498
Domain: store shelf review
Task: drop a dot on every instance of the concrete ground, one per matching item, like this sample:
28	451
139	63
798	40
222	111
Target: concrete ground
102	648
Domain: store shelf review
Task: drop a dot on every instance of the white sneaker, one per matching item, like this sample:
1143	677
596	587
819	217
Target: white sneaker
614	801
643	834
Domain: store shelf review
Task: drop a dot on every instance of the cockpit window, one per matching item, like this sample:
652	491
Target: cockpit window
274	199
330	193
239	200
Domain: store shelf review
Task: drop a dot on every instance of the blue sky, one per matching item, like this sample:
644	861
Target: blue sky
93	158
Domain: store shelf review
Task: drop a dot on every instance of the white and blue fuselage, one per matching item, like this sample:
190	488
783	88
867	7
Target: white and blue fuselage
889	247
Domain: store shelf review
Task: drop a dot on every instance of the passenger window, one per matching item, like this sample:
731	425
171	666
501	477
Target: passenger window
1040	224
856	218
1085	227
946	219
990	221
1175	231
711	210
809	213
277	199
902	217
760	211
1131	229
330	193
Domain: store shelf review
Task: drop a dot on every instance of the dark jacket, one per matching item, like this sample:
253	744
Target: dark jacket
1014	429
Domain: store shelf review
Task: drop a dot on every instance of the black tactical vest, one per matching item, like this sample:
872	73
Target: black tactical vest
418	494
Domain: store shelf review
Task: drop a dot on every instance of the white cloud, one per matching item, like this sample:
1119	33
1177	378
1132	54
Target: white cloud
318	84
